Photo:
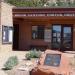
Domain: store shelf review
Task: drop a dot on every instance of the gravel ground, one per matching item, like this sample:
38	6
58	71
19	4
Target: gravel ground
5	55
21	55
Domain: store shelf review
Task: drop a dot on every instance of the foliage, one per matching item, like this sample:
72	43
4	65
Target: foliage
11	62
42	3
59	3
28	56
33	54
67	3
28	3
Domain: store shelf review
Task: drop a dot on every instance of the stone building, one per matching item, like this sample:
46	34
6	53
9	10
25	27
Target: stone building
6	20
23	28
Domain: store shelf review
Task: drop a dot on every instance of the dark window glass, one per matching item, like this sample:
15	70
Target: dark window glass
56	36
37	32
52	60
7	34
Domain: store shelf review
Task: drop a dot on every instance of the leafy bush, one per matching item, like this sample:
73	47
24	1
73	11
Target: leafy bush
11	62
28	56
33	54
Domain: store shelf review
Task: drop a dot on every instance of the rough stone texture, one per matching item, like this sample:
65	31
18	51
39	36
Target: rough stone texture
6	20
5	55
6	14
0	25
21	56
64	67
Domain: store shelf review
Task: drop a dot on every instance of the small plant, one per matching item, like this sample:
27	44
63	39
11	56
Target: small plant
11	62
28	56
33	54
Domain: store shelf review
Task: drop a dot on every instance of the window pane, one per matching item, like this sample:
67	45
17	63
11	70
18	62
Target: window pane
40	32
57	31
37	32
67	32
54	34
34	32
7	34
34	28
10	34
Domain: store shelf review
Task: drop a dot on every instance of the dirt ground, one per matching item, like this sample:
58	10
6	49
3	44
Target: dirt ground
21	56
5	55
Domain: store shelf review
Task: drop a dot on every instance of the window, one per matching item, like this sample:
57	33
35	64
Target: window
62	36
56	36
7	34
37	32
52	60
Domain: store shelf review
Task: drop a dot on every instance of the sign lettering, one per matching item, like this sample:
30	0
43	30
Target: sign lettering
44	14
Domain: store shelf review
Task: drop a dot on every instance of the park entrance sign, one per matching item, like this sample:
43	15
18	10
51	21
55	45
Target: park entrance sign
52	63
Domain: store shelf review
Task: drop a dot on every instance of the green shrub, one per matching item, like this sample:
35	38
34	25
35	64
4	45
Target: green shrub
28	56
11	62
33	54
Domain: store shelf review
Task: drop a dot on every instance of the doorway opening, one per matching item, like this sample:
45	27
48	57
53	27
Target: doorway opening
16	37
62	37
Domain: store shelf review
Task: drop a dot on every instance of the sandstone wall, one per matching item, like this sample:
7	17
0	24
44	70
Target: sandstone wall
6	20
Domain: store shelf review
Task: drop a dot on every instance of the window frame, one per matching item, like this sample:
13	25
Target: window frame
37	32
8	29
61	38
